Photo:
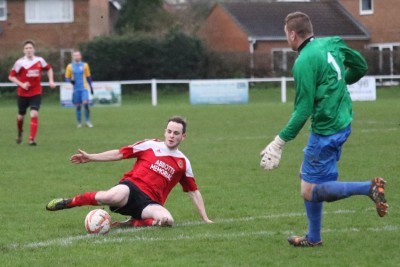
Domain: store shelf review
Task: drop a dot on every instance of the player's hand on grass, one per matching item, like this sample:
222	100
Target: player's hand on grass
271	155
207	220
81	157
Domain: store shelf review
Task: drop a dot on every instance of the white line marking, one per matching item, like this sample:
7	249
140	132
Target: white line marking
135	239
266	137
380	130
113	238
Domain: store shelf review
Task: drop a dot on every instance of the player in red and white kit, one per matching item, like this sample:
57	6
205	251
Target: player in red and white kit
27	73
142	192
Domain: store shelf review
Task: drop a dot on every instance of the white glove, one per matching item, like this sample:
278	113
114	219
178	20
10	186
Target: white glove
271	154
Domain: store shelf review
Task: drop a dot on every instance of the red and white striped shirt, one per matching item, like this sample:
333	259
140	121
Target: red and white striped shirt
158	169
29	70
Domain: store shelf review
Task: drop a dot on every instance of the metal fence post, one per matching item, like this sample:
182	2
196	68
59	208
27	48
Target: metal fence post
283	89
154	92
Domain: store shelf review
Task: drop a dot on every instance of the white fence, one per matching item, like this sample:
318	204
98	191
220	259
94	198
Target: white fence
382	80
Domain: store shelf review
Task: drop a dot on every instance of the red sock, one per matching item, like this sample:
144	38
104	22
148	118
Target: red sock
86	199
20	123
34	127
143	223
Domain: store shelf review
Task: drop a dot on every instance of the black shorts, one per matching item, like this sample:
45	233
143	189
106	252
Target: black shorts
28	101
137	201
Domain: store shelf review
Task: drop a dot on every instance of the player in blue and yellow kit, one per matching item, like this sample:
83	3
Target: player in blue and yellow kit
78	74
322	70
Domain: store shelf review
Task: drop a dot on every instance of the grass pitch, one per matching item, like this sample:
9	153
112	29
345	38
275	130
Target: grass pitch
254	211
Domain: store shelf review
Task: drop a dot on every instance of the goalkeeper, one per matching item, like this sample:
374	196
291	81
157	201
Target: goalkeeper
78	74
321	73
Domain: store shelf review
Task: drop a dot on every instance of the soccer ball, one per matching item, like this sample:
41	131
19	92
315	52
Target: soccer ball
98	221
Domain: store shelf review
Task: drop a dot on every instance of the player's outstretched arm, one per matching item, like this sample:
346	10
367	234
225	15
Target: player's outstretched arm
84	157
199	203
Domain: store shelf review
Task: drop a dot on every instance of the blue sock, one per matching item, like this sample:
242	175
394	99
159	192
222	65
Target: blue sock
314	216
78	114
332	191
87	112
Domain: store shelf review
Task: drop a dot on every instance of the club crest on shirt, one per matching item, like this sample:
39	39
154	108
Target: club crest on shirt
180	164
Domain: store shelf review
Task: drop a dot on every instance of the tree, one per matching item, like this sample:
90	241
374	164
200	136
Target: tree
143	16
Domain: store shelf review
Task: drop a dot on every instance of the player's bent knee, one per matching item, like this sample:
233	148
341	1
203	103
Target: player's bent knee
306	193
307	196
34	113
161	215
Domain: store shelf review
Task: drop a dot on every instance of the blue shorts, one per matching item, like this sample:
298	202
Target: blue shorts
321	156
80	96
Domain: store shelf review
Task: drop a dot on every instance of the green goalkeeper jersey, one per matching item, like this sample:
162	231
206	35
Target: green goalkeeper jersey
321	73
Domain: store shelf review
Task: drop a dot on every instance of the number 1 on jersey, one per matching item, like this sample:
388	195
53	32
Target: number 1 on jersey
331	60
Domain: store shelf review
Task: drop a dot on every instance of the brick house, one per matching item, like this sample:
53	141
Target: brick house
54	24
382	20
255	29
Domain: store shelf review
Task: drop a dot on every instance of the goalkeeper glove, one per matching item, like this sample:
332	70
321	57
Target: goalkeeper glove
271	154
91	90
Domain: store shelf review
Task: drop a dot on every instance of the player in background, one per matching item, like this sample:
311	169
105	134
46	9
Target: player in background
78	74
322	70
142	191
27	74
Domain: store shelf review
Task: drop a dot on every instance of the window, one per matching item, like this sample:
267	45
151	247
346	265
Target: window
3	9
49	11
65	58
283	59
386	58
396	60
366	7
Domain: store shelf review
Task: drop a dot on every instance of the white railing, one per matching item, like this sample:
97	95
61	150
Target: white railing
283	80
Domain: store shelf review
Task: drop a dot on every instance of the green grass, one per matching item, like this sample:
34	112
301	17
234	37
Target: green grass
254	211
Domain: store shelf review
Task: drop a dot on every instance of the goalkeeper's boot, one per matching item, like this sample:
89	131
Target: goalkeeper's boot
133	223
377	194
59	204
298	241
19	137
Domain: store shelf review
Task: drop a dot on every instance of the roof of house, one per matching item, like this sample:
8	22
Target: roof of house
264	20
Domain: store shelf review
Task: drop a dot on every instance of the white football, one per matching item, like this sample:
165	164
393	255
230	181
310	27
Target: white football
98	221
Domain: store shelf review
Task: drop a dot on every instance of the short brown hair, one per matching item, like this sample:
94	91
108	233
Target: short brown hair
180	120
300	23
29	42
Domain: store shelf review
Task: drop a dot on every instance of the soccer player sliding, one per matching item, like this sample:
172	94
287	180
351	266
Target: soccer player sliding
321	72
142	192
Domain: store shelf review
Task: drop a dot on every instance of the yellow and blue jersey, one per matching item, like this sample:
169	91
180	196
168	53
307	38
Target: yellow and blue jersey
79	73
